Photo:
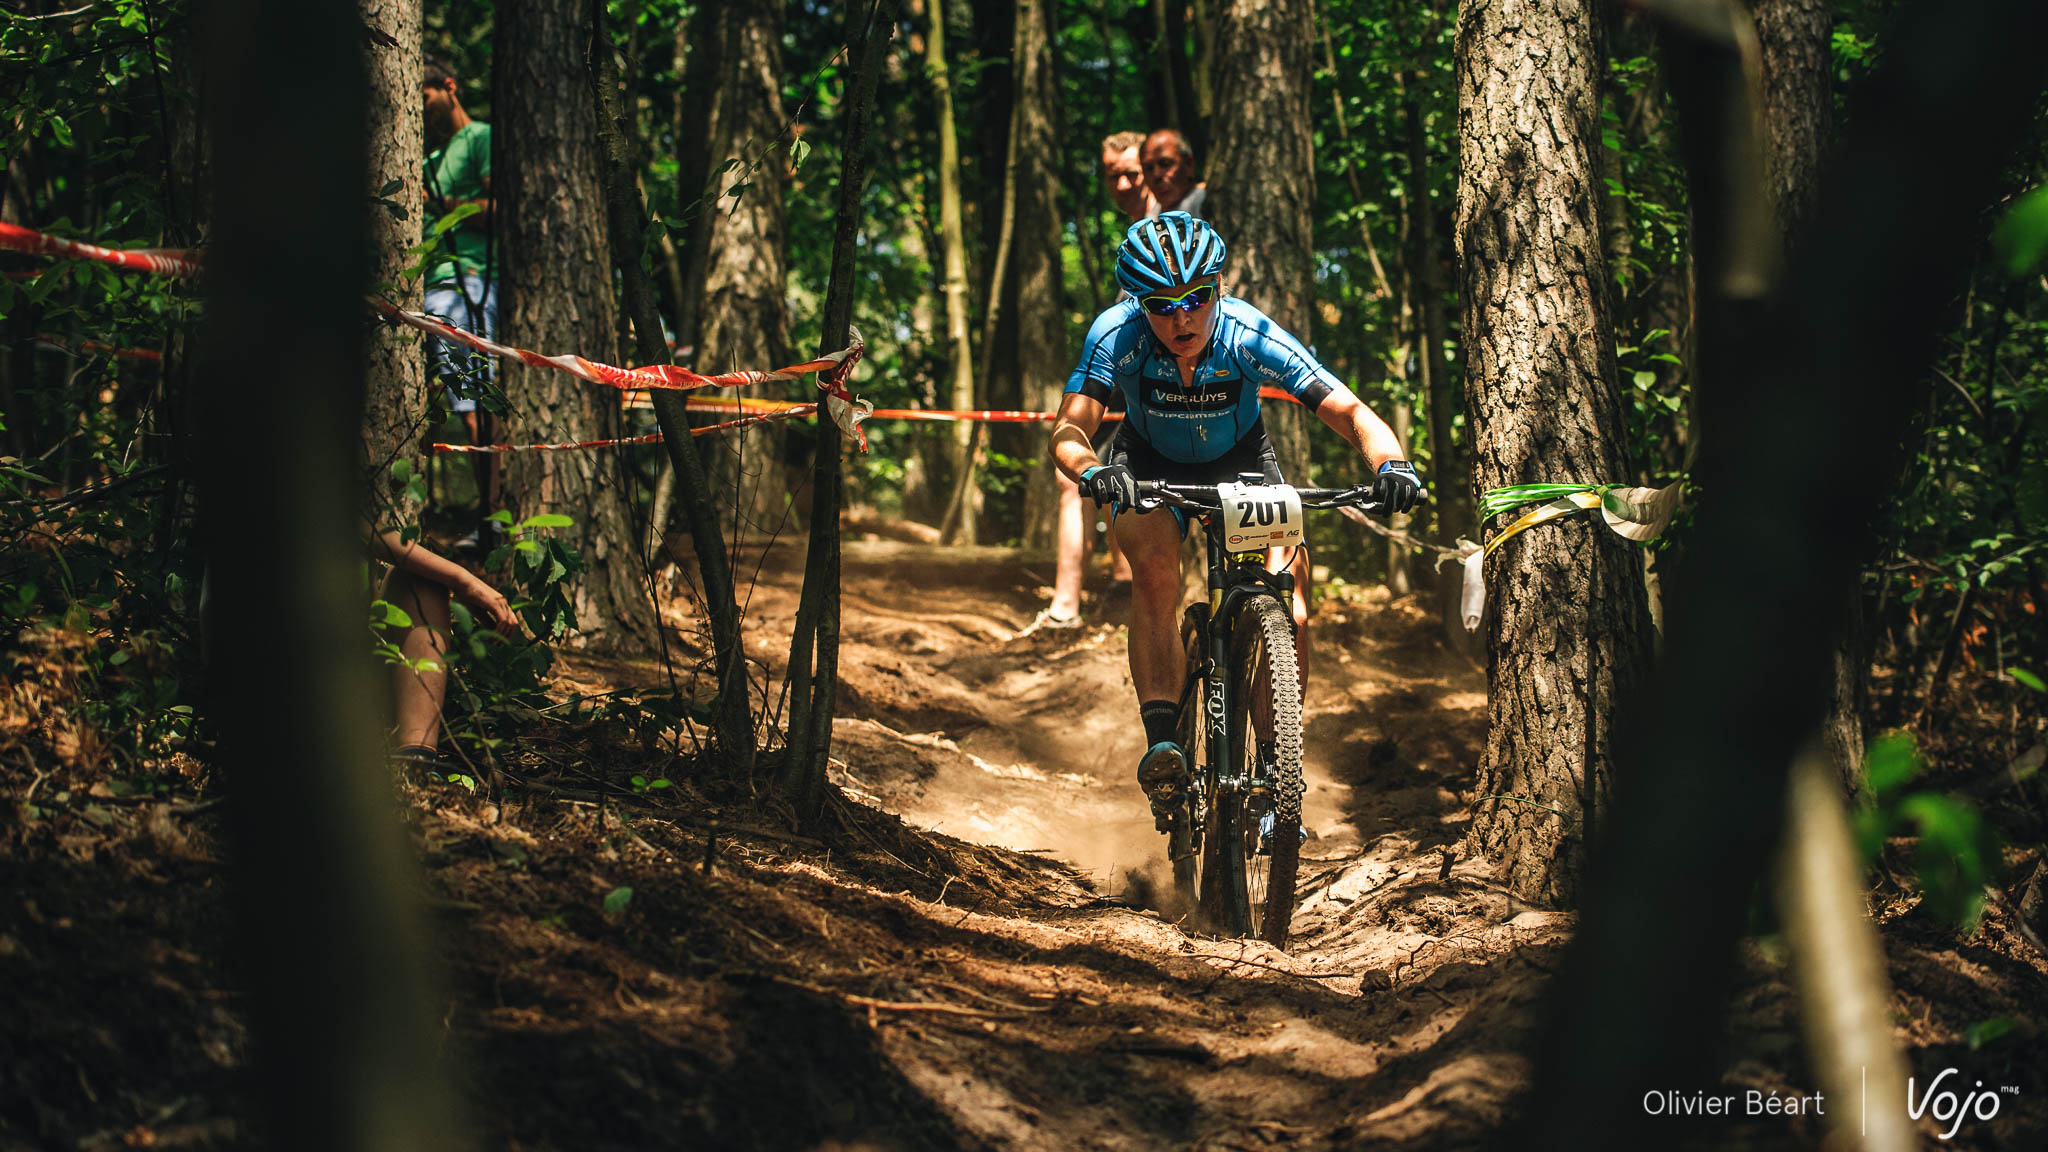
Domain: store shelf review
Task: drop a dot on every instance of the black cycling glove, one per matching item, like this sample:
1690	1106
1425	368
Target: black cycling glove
1110	484
1397	487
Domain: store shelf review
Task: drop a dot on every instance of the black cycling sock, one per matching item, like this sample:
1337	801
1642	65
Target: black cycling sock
1159	719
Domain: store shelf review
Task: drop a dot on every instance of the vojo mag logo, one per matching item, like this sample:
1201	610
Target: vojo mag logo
1949	1102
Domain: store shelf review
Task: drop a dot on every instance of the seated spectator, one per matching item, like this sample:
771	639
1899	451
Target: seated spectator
421	584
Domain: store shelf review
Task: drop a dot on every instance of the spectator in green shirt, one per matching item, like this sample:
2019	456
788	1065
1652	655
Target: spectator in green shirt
462	286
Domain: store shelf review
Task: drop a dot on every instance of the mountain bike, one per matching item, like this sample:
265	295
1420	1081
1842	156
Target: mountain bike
1235	838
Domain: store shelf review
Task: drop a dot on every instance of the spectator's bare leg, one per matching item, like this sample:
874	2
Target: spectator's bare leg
1076	517
421	687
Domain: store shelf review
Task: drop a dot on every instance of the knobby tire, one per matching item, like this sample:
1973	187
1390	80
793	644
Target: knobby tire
1184	843
1250	894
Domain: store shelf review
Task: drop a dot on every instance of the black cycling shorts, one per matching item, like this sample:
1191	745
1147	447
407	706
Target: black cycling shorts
1254	453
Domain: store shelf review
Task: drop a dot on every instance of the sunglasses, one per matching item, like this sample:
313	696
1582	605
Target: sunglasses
1188	301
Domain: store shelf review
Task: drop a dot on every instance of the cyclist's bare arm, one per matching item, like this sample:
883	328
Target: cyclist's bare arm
1348	416
1073	433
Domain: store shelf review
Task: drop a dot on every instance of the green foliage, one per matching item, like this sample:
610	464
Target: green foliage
1985	1031
1954	851
615	902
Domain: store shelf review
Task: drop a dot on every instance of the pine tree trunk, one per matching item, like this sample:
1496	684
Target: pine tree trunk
1262	182
1043	354
1450	485
556	296
953	238
627	217
1794	39
1570	637
333	948
742	321
395	381
814	643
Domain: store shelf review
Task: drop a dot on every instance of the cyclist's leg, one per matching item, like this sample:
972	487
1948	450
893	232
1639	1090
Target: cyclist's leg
1152	541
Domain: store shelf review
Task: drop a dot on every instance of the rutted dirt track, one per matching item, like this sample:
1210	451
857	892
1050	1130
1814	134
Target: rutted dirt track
972	966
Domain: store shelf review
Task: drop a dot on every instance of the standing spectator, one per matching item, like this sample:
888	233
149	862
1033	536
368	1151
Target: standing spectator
1169	163
462	287
1125	178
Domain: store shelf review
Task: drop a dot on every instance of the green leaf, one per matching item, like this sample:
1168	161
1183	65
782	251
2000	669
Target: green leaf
2027	678
2022	237
1952	856
1891	761
798	150
615	903
1985	1031
546	520
1646	380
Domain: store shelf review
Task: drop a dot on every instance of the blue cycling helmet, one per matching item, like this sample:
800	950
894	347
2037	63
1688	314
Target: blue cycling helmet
1165	251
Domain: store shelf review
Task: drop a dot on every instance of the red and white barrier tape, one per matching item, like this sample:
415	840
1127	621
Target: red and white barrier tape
832	369
781	412
161	261
94	347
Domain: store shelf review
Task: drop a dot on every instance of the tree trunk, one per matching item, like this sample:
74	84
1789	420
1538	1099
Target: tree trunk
1794	39
953	238
1179	71
556	296
814	643
332	940
395	380
1570	632
1262	189
1038	297
742	319
628	217
1450	484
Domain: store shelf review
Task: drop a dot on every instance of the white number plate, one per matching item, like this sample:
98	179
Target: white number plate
1260	516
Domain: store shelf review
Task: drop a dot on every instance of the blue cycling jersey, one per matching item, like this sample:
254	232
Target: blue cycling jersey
1196	424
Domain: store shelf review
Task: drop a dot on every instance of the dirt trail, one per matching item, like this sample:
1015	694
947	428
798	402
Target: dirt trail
976	971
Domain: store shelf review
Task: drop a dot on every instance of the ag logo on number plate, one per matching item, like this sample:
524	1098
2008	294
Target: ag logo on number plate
1260	516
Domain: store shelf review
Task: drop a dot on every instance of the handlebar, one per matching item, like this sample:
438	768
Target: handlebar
1203	497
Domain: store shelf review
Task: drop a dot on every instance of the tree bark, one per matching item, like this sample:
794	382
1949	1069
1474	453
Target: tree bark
953	238
1570	632
1794	41
1036	286
332	940
734	728
1450	485
1262	190
814	643
555	295
395	378
742	318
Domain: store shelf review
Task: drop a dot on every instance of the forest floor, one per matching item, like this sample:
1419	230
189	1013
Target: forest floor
973	956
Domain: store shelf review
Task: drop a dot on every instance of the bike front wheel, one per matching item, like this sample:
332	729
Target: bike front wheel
1253	851
1184	842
